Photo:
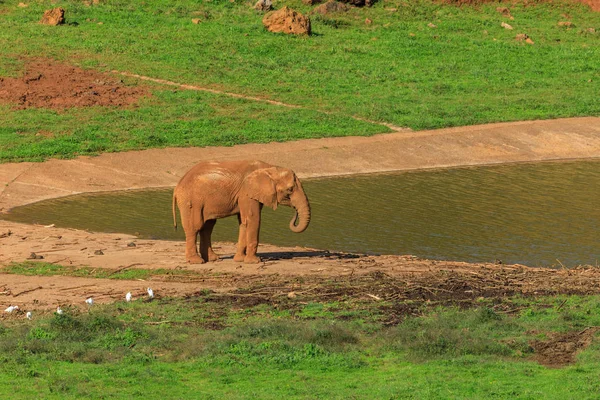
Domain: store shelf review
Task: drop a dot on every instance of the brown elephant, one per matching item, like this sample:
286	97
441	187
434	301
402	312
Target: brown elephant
212	190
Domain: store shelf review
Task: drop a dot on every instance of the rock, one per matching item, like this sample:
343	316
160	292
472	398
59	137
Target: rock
196	21
287	21
99	252
23	5
54	17
332	6
131	244
34	256
505	12
523	37
368	21
506	26
263	5
432	25
312	2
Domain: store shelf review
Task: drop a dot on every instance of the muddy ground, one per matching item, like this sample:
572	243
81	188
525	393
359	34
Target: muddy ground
402	283
47	84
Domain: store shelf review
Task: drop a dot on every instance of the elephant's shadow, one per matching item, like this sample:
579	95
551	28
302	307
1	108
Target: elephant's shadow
289	255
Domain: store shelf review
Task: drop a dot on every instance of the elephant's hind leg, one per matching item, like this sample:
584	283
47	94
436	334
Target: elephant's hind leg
192	226
206	251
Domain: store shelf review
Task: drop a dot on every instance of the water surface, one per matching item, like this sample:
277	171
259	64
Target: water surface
534	214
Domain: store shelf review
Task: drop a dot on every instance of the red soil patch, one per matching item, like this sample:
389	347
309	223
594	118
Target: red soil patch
594	4
47	84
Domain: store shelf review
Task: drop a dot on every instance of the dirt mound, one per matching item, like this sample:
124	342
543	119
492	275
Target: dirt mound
56	16
287	21
47	84
561	348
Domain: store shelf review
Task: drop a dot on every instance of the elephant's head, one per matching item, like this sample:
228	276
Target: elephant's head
275	185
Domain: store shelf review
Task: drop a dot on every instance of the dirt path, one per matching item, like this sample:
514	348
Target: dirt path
283	267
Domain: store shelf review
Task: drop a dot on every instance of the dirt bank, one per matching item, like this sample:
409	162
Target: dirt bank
309	274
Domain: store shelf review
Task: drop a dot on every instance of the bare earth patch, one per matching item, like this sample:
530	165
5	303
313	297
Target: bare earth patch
48	84
561	348
310	274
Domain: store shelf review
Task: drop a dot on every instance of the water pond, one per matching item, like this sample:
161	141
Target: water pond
534	214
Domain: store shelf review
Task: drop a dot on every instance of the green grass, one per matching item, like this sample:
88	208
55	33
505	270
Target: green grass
170	348
170	118
39	268
466	70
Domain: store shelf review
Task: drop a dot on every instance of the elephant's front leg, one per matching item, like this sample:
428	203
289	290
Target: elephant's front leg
240	253
250	214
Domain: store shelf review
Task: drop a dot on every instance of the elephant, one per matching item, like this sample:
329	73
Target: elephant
217	189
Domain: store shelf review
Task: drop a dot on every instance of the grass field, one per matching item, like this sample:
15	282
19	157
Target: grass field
213	347
418	64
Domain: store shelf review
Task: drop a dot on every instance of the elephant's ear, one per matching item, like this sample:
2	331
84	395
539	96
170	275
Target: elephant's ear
261	187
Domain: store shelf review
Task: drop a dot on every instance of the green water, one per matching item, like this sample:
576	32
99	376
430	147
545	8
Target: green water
539	215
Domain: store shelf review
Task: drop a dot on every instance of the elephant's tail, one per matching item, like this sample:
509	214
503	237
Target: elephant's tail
174	214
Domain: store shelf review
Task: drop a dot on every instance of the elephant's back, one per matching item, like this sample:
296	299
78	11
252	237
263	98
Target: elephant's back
208	171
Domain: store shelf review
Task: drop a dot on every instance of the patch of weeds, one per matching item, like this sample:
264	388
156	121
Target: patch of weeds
42	268
60	385
330	22
314	310
127	337
450	333
41	333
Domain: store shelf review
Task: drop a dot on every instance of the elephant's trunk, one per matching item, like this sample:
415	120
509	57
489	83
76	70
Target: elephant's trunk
299	201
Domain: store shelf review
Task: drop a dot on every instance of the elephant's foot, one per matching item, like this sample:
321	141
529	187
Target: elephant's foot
239	257
195	260
212	256
251	259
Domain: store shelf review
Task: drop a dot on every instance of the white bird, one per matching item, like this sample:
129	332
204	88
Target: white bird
28	315
59	310
90	301
11	309
128	296
150	293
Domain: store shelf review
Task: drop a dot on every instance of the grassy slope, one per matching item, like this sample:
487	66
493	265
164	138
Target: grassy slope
294	350
466	70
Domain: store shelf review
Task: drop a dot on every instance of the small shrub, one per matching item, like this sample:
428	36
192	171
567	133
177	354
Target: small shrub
41	334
